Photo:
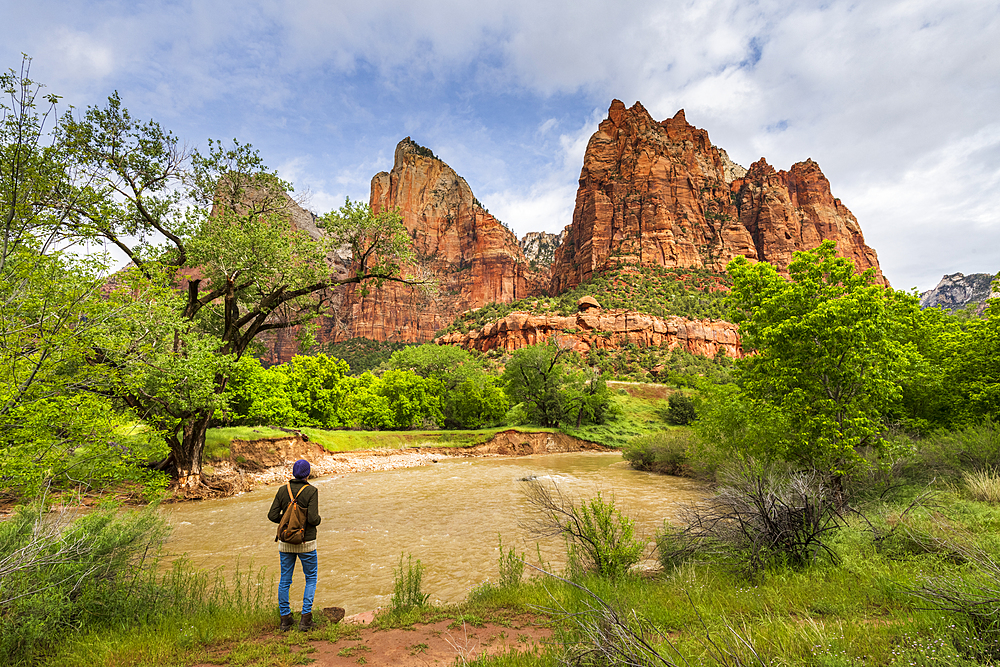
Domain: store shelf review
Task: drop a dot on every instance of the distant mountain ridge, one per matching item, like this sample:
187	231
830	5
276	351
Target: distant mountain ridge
957	290
540	247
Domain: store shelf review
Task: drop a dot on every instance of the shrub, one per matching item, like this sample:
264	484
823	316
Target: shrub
761	517
70	572
680	409
661	451
510	564
407	582
973	600
599	537
673	546
950	452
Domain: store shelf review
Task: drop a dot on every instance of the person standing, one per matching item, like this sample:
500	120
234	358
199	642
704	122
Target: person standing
307	497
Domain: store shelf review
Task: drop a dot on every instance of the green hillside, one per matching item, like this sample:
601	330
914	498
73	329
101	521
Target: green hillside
656	290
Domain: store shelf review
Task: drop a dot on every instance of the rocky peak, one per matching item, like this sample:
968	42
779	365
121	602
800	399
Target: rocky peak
471	256
730	170
660	193
956	291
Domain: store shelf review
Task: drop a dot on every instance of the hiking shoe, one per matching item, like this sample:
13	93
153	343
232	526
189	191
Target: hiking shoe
306	622
286	623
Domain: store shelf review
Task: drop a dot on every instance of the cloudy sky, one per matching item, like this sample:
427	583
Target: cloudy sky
898	101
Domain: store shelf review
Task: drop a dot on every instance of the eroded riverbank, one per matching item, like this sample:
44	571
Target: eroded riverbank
251	464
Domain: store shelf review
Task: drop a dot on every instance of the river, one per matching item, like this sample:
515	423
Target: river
447	515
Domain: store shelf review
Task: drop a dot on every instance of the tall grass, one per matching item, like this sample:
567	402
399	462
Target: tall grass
76	584
190	612
407	585
983	484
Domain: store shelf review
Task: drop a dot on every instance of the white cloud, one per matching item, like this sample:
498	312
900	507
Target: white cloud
80	55
547	205
939	214
881	93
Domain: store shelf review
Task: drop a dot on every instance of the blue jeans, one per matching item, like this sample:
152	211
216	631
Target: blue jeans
310	565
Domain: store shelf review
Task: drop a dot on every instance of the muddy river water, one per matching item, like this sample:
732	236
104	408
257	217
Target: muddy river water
448	515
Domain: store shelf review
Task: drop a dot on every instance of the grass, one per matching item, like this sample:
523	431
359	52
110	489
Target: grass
983	484
217	439
858	610
637	416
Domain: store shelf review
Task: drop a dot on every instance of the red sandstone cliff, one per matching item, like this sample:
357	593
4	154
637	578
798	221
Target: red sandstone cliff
650	193
471	258
602	329
661	193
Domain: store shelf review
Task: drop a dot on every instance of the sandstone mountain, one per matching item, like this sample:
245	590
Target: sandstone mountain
956	291
468	256
539	248
650	194
660	193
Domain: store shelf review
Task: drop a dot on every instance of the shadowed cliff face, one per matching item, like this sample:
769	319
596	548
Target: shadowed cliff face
661	193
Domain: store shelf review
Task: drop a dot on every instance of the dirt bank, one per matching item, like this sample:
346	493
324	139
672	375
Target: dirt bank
443	642
254	463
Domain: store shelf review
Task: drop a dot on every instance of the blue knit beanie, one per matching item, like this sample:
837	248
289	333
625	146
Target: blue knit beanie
301	469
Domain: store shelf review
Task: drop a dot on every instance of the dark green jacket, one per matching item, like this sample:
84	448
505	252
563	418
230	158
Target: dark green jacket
308	499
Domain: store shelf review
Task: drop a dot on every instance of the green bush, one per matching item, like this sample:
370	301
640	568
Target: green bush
362	354
662	451
599	537
680	409
952	452
407	582
510	564
607	539
673	546
762	516
64	573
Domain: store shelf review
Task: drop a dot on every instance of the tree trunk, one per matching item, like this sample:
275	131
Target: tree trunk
188	449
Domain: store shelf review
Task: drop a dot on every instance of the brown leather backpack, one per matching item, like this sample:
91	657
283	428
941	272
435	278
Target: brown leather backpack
292	528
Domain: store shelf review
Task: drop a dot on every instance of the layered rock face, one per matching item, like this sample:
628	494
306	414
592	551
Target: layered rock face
471	257
602	329
958	290
660	193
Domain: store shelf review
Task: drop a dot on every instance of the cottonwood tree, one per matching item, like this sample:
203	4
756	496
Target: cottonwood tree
822	351
550	391
214	253
472	398
51	312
